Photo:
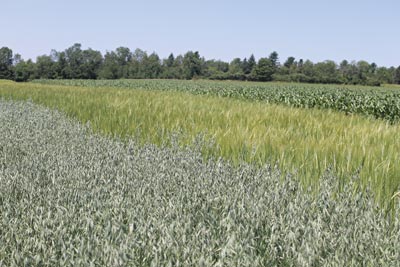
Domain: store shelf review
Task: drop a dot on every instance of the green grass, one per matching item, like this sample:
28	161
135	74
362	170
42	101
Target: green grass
397	86
307	141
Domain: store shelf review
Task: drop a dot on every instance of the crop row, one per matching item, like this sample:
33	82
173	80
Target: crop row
69	197
382	103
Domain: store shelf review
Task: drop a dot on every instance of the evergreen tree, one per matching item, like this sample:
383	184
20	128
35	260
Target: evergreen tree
289	62
169	62
274	58
264	70
251	64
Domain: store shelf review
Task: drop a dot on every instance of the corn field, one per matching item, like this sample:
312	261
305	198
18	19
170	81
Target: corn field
71	197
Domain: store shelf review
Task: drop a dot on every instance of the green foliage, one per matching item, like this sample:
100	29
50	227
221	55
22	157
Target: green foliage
274	58
289	62
192	65
45	67
396	78
75	63
152	66
6	62
91	63
325	72
111	68
249	65
72	198
264	70
24	71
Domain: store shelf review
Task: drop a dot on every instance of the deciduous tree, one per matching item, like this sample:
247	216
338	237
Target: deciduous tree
6	63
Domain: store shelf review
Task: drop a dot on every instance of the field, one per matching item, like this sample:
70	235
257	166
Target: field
200	173
305	141
69	197
381	103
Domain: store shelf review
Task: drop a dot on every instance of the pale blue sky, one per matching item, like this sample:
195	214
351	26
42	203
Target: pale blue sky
308	29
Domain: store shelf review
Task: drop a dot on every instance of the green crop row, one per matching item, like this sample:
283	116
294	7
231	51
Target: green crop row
381	103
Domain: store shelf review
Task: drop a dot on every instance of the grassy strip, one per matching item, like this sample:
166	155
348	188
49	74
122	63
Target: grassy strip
308	141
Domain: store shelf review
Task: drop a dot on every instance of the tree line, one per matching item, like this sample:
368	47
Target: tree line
77	63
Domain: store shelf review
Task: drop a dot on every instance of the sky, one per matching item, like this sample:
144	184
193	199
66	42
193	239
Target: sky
310	29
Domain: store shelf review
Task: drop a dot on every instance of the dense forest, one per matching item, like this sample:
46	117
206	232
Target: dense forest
77	63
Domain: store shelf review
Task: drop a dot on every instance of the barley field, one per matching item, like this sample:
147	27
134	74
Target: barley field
72	197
